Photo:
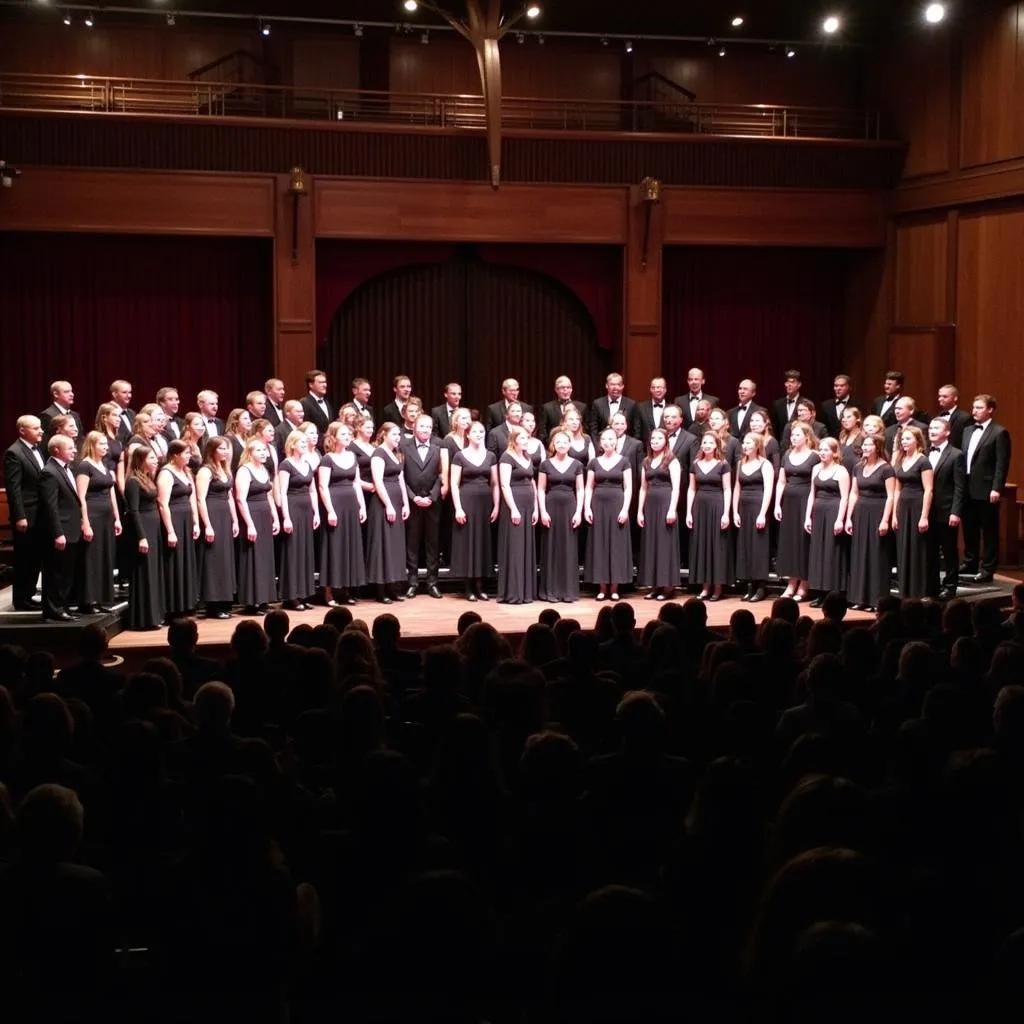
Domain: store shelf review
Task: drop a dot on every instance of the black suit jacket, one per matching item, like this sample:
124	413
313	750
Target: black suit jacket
497	439
272	414
817	428
48	414
958	422
891	432
169	430
948	485
422	479
124	432
21	477
683	401
496	413
643	420
889	419
991	460
600	414
391	414
60	511
633	450
281	432
828	415
368	411
734	425
684	448
780	416
551	417
316	414
442	425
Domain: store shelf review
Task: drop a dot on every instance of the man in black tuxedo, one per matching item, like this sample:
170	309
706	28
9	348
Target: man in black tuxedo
695	393
361	393
947	508
805	414
294	415
60	528
950	411
702	414
208	402
987	451
647	415
23	463
170	402
63	395
275	391
905	412
611	402
421	467
315	406
497	438
885	404
683	444
496	413
394	411
784	409
256	406
831	411
746	403
441	415
552	414
121	396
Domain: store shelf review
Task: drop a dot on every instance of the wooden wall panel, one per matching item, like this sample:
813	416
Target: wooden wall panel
867	315
990	310
921	278
774	217
429	211
448	65
992	107
325	62
132	202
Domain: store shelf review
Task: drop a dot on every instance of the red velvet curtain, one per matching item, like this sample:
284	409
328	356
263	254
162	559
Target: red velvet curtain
753	312
187	312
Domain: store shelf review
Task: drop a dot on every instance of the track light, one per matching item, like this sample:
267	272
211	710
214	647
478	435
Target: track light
540	40
533	11
790	52
721	51
934	13
520	38
89	19
67	18
629	46
425	38
604	40
264	27
737	21
357	30
410	5
170	18
831	25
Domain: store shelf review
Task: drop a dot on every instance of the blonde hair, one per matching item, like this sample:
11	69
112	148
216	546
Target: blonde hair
231	423
758	440
105	410
88	448
803	429
331	435
293	439
554	433
458	415
246	458
897	449
875	421
831	444
513	433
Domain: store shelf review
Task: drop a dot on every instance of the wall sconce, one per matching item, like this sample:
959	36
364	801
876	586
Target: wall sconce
297	190
651	195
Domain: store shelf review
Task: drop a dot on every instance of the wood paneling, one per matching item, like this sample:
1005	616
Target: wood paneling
927	355
990	310
963	188
325	62
921	272
428	211
141	203
642	300
448	65
992	111
774	217
867	315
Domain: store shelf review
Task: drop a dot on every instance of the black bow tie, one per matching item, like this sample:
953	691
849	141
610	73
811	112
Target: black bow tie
658	405
743	408
934	448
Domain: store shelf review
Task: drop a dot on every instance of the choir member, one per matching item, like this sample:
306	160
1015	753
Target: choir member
193	432
948	493
63	398
832	410
362	448
65	426
647	415
158	419
805	414
784	409
718	424
552	413
237	428
455	440
342	560
108	418
560	501
317	409
695	394
145	429
60	527
411	413
443	415
851	435
386	517
394	411
752	496
884	406
497	436
475	495
987	452
219	520
746	403
867	521
349	414
911	509
101	525
607	498
613	401
361	393
534	445
300	516
791	496
581	448
498	412
658	517
254	496
701	421
294	415
121	395
176	499
708	516
276	392
424	465
265	431
23	462
312	454
826	522
255	406
906	416
517	551
146	608
760	424
208	402
952	414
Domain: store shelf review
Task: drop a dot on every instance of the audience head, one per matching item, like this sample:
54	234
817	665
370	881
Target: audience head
50	821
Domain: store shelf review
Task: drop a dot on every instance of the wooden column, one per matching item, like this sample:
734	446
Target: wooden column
294	287
641	304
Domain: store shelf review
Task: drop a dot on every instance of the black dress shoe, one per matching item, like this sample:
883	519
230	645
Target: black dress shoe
967	570
947	593
385	600
433	591
348	599
817	602
759	595
411	592
482	595
471	596
60	617
984	577
104	608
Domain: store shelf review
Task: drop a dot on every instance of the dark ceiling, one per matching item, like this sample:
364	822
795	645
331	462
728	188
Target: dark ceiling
864	21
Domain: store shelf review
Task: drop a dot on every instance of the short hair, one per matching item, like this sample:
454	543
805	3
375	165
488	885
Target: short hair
28	420
989	400
896	375
60	385
293	439
791	375
254	396
292	405
842	376
358	382
50	820
207	395
614	376
57	442
182	634
311	375
807	403
214	705
120	385
396	380
164	392
950	387
906	400
271	381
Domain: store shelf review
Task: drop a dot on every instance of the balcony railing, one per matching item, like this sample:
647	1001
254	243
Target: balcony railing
60	94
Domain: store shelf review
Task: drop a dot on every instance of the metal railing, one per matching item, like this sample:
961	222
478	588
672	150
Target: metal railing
59	94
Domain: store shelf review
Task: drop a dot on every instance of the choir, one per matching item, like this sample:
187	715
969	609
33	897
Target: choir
288	495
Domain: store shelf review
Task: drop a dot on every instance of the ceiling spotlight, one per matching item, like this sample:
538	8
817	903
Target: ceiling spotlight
533	11
712	41
170	18
357	30
790	52
934	13
629	46
830	26
604	40
520	38
410	5
540	40
721	51
737	21
264	27
89	20
425	38
67	18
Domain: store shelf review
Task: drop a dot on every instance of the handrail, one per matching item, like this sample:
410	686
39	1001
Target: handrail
657	76
102	94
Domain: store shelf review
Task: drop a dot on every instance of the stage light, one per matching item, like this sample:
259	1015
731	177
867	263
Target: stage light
629	46
410	5
264	27
934	13
67	19
721	52
357	30
790	52
540	40
520	38
533	11
170	19
425	39
737	21
89	20
831	25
